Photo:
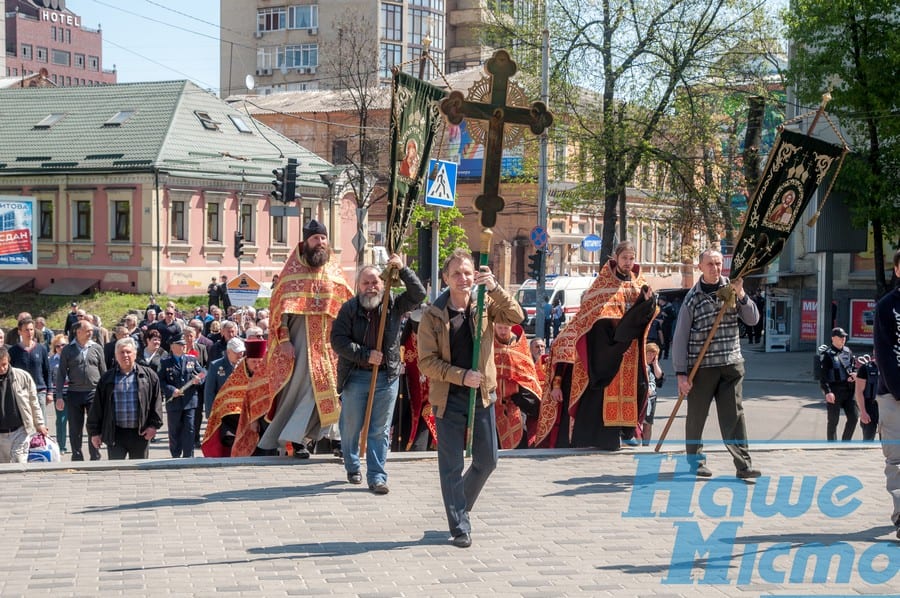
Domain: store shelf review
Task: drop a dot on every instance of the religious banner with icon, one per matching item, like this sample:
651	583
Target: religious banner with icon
797	166
415	119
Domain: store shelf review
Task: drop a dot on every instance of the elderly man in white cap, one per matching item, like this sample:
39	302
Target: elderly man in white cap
219	370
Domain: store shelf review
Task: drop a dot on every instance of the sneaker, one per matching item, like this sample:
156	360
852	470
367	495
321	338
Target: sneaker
631	441
748	473
300	451
354	478
703	471
379	488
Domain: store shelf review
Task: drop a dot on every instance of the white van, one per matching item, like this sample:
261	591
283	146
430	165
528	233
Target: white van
568	289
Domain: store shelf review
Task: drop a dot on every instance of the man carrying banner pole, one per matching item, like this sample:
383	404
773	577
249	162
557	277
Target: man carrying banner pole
797	166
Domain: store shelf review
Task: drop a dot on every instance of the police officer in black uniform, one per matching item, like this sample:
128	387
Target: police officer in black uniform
866	385
838	382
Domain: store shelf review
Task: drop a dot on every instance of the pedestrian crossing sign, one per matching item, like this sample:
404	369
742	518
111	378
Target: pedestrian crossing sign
441	184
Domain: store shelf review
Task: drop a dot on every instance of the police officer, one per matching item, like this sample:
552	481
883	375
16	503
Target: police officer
866	385
838	382
180	377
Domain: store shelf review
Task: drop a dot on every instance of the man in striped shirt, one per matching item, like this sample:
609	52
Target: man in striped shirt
720	375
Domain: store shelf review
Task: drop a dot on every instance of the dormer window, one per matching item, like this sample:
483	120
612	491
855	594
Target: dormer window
120	118
206	120
50	120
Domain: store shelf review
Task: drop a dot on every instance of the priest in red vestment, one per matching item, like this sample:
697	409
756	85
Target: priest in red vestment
518	388
597	369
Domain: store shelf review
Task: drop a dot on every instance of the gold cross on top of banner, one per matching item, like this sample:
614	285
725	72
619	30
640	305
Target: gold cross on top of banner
500	67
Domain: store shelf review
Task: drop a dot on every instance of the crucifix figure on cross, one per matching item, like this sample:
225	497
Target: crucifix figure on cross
536	117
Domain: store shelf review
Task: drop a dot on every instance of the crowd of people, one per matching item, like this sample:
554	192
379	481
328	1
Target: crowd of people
354	366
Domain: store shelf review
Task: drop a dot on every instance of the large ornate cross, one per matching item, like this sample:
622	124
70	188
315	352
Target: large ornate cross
537	118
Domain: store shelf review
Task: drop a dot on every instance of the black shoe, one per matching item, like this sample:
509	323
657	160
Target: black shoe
748	473
354	478
300	451
379	488
703	471
461	541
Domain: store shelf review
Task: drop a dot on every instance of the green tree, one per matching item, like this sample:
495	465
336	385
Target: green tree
854	47
618	67
450	234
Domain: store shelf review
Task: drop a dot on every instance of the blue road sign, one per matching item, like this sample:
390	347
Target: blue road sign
591	243
441	184
539	237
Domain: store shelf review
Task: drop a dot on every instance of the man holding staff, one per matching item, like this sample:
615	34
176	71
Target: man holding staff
447	344
720	374
354	337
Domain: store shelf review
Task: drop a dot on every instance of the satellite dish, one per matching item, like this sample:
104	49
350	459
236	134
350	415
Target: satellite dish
249	82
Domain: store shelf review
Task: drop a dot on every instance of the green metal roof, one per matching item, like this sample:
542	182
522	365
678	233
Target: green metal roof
164	133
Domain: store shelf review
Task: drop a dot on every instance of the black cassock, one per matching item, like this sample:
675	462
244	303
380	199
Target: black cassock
607	342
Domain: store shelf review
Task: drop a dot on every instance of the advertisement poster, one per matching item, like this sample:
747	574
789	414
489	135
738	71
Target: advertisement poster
471	155
808	309
862	318
18	250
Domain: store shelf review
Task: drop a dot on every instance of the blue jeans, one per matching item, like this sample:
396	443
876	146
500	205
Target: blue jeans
354	397
460	491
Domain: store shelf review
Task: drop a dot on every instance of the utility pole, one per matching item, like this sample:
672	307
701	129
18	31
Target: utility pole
436	221
539	316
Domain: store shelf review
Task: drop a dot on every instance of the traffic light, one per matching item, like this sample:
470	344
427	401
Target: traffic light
290	181
535	264
238	244
278	183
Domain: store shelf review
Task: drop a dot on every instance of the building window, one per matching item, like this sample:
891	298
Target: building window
391	55
68	36
40	54
121	221
279	230
213	222
433	4
392	22
179	228
265	58
303	17
46	222
94	63
60	57
53	33
82	231
270	19
119	118
307	214
247	222
26	51
240	124
339	151
79	61
206	120
301	56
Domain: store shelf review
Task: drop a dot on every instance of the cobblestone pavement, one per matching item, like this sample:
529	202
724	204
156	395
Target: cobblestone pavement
548	524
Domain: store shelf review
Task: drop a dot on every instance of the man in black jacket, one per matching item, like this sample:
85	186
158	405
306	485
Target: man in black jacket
127	409
354	337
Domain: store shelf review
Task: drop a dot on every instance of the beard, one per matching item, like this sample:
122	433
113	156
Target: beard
370	302
317	257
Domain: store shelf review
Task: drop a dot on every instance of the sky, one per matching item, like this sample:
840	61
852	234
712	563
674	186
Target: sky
156	40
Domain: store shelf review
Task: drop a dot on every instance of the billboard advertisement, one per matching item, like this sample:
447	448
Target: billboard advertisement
862	319
470	155
18	249
808	311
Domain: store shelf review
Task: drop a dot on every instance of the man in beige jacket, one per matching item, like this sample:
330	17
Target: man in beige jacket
446	348
20	411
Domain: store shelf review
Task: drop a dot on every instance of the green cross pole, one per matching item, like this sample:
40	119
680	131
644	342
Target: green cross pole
501	67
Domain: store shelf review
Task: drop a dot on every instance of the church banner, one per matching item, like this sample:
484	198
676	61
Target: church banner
415	119
796	168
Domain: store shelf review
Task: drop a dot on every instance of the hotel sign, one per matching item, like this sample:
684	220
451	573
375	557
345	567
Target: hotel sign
51	12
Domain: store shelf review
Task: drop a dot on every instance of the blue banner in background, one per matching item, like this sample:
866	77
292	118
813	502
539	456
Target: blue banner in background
471	155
